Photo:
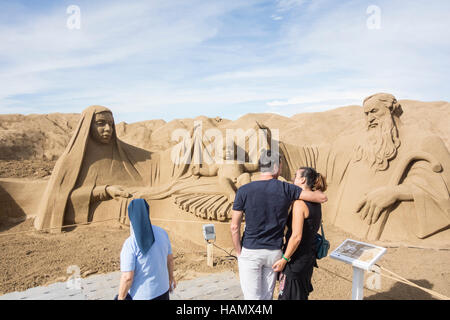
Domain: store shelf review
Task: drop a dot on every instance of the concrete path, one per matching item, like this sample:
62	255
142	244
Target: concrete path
217	286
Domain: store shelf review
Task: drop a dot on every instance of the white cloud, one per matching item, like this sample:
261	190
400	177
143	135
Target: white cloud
276	17
320	97
221	56
284	5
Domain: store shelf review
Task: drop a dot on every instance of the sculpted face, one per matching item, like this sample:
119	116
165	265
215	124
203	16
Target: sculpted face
229	152
382	138
102	127
376	112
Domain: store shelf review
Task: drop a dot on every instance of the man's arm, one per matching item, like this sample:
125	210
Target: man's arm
172	282
126	280
313	196
235	227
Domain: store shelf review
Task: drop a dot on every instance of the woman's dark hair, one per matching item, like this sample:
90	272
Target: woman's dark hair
314	180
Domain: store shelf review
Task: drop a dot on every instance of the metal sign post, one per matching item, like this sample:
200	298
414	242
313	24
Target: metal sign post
209	233
210	255
362	256
358	284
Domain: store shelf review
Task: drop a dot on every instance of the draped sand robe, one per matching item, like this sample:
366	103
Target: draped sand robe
422	164
76	191
86	164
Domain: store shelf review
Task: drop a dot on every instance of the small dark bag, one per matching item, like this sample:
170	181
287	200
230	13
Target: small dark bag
322	245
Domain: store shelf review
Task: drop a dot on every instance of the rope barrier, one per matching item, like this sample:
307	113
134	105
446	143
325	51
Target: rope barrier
48	229
398	278
88	223
192	221
228	253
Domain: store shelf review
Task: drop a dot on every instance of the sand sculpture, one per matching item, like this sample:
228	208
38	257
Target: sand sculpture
98	174
217	175
388	183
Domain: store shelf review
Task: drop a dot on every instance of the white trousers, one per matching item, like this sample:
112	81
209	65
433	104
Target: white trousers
256	274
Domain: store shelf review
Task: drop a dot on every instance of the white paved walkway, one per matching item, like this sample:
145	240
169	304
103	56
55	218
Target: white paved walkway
217	286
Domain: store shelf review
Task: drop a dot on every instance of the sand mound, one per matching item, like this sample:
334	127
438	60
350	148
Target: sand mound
44	137
315	128
35	136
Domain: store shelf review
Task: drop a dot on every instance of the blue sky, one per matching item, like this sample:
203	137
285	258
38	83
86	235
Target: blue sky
167	59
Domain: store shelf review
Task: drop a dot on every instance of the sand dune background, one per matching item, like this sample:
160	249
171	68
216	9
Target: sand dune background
44	137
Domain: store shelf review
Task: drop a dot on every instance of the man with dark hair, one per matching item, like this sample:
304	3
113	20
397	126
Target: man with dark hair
265	203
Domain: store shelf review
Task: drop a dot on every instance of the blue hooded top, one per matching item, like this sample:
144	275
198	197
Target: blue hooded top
141	227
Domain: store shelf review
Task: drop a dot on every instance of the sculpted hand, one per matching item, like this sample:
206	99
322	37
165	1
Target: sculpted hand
374	203
141	192
117	192
140	195
279	265
196	171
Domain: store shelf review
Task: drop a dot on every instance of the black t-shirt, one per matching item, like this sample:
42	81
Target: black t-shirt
265	204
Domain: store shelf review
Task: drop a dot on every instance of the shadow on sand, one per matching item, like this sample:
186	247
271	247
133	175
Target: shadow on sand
11	214
401	291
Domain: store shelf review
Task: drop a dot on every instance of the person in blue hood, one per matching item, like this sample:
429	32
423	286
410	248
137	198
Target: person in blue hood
146	260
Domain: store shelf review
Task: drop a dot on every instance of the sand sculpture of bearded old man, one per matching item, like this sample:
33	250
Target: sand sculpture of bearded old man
99	173
389	183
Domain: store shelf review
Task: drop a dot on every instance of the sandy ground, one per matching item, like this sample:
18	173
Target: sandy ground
33	259
26	168
428	268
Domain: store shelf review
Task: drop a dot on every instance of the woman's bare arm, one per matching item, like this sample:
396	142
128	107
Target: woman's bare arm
298	217
299	211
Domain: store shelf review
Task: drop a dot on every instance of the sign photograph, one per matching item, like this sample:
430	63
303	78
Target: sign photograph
356	253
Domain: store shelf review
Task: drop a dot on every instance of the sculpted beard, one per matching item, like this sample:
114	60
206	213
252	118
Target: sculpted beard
380	145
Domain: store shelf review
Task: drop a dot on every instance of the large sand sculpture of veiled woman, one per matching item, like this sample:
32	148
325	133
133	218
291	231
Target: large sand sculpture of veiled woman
99	173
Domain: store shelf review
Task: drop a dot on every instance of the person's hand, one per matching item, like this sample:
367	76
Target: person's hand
374	203
172	284
279	265
117	192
